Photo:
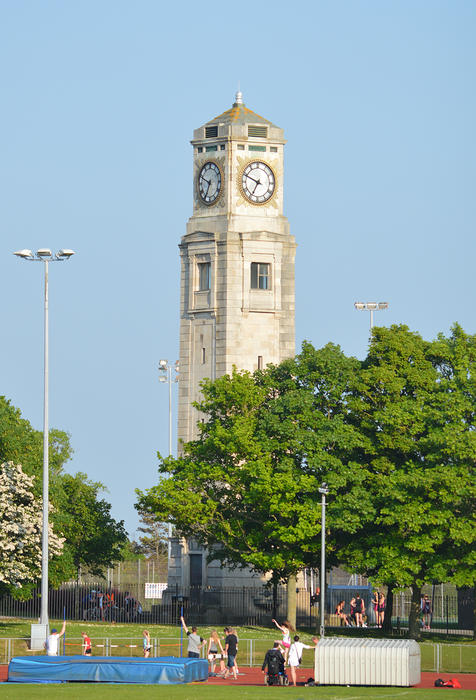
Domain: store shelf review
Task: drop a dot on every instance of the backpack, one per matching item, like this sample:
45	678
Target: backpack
273	665
452	683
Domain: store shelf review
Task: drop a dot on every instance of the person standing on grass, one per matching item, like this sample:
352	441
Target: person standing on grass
52	642
195	642
86	645
231	650
295	656
375	605
381	609
426	612
357	610
146	644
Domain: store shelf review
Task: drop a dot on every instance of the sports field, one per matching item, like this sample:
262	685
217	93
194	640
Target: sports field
197	691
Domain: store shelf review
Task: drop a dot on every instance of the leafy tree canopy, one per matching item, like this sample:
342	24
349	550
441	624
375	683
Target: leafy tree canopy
78	514
393	436
93	539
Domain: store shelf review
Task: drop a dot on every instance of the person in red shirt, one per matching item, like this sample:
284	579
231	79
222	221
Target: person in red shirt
86	644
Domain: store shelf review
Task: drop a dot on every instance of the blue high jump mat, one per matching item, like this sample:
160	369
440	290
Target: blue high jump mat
164	670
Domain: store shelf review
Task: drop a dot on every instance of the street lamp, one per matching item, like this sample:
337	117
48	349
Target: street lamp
40	631
166	378
323	490
371	306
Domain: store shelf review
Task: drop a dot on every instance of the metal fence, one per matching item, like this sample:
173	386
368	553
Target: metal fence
215	606
205	606
440	658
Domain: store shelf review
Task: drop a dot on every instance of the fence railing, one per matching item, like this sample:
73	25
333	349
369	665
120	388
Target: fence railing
440	658
214	606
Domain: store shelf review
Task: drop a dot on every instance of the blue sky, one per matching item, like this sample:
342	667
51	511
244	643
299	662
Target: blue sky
99	103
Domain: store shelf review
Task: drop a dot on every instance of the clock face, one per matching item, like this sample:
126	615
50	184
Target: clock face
258	182
209	183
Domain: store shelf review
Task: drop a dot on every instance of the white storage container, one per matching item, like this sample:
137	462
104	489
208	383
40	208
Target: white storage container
347	661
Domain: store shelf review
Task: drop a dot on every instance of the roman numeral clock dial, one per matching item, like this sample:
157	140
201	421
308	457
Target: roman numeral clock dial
257	182
209	183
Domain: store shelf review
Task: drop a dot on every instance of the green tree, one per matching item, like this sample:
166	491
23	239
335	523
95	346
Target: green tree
78	514
248	487
417	463
93	539
230	491
153	540
21	444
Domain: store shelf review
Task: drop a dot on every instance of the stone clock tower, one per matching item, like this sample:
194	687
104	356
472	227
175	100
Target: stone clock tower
237	282
237	257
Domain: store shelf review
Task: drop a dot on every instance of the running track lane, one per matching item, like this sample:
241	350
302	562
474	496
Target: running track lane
254	676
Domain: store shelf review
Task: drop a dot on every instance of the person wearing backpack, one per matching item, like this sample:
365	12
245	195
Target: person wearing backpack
295	656
273	662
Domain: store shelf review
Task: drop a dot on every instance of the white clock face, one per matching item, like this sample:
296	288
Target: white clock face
209	183
258	182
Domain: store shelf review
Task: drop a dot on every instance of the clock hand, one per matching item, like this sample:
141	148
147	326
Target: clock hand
208	183
258	182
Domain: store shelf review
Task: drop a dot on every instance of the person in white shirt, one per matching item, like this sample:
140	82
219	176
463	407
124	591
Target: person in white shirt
52	641
295	656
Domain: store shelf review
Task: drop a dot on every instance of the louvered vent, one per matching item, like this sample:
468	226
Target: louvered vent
211	132
258	131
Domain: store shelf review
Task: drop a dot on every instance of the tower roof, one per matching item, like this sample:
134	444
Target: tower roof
240	114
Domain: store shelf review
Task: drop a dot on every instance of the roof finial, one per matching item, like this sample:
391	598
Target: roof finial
239	96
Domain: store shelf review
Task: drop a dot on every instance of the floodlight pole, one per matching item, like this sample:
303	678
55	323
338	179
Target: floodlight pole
45	256
46	476
166	368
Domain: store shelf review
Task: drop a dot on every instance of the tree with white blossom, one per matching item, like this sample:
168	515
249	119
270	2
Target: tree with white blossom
20	531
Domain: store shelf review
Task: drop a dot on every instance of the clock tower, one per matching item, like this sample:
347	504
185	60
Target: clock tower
237	257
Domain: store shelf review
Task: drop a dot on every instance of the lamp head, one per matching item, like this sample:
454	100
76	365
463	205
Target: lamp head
44	253
359	305
162	364
24	253
65	253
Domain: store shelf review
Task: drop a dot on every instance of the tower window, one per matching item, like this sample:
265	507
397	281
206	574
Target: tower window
257	148
273	149
200	149
260	361
204	355
208	149
241	147
260	275
203	276
211	132
258	131
222	147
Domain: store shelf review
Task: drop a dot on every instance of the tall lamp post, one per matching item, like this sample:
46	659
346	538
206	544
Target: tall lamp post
323	490
39	632
166	378
371	306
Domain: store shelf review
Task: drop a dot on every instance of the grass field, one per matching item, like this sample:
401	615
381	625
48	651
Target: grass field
197	692
454	655
21	628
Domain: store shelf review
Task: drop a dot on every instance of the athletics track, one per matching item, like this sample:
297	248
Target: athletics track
254	676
